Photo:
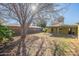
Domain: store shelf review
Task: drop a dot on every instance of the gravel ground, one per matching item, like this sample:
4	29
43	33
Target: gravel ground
42	44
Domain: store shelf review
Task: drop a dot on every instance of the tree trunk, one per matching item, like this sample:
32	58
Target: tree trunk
23	31
22	45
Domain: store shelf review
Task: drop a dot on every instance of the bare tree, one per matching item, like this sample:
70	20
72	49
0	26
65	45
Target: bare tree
26	13
59	21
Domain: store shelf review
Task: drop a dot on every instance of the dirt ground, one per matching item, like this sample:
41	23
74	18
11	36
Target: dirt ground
43	44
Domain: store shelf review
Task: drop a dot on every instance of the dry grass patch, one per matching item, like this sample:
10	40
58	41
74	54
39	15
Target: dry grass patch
41	44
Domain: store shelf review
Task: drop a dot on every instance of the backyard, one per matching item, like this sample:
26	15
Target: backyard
43	44
39	29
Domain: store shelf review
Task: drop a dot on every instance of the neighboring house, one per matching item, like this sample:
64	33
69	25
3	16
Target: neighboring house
32	29
58	28
65	30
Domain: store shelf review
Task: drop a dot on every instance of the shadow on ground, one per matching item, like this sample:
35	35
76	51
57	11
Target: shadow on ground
20	47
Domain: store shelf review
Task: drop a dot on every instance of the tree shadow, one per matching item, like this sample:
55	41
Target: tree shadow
24	44
7	48
21	47
40	48
75	50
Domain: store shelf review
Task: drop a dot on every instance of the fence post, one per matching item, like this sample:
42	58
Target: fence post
78	31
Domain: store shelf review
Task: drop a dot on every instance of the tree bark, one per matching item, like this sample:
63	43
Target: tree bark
22	45
23	30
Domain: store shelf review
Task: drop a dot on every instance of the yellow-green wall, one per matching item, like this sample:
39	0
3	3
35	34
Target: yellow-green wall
64	30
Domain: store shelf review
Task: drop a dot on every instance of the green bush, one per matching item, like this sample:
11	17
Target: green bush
45	29
5	33
41	23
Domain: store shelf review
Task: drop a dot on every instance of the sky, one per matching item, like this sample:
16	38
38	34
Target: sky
71	16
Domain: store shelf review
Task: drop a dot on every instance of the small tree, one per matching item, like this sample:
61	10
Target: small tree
42	23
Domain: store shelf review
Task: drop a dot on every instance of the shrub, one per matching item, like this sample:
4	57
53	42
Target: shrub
5	33
42	23
60	47
45	29
48	30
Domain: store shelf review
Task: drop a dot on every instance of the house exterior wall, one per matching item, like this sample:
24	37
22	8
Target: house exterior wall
49	29
64	30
